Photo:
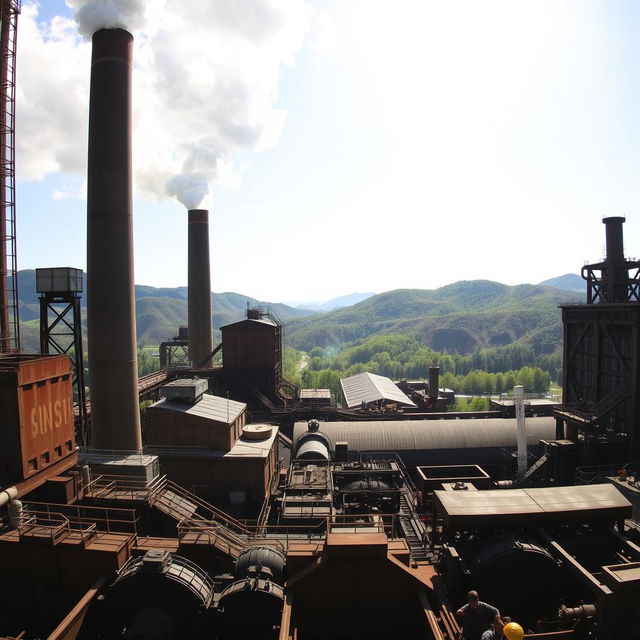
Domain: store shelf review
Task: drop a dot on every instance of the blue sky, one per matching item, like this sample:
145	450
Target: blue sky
393	145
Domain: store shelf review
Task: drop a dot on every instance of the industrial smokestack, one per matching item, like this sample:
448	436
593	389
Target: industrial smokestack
115	416
434	382
616	270
199	308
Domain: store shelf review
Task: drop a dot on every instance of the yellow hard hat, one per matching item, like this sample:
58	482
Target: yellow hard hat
513	631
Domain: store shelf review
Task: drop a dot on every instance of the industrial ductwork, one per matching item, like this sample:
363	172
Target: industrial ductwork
115	416
199	276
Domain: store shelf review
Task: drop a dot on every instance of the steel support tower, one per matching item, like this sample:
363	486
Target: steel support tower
9	326
61	330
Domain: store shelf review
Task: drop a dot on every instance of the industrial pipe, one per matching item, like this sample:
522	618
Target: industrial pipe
111	323
521	434
8	494
199	284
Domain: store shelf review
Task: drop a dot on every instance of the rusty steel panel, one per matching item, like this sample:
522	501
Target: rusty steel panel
38	418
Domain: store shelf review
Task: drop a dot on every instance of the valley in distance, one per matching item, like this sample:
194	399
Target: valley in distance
484	335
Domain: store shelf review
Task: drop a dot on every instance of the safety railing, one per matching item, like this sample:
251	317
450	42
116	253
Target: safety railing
119	486
599	473
98	519
41	524
205	510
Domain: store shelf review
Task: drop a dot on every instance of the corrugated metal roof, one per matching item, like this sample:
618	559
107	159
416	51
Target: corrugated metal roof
507	506
400	435
369	387
211	407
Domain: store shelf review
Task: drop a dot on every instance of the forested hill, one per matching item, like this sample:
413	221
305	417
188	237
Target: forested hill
159	312
458	318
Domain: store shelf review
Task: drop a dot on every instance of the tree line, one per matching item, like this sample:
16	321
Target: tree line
495	370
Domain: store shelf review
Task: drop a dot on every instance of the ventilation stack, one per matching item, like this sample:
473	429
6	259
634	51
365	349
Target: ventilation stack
615	273
199	276
111	321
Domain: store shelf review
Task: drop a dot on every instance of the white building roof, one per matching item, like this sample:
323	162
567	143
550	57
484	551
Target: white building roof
369	387
211	407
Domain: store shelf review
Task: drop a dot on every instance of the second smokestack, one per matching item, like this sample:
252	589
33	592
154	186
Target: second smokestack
199	276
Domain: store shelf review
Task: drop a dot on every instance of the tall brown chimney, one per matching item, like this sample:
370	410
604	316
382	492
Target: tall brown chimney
199	276
113	366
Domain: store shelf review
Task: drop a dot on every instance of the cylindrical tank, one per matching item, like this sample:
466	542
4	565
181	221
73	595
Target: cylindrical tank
259	574
111	321
159	596
199	285
261	557
313	445
499	568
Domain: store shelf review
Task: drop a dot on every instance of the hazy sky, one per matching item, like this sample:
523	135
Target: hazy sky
349	145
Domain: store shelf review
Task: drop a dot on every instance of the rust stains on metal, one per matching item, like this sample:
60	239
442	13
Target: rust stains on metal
36	393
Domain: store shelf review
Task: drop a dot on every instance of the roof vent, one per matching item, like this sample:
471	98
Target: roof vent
257	431
188	391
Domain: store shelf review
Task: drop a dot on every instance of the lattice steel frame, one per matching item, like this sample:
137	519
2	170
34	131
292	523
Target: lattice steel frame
61	331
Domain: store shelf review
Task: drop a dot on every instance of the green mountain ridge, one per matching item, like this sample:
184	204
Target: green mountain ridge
159	311
459	318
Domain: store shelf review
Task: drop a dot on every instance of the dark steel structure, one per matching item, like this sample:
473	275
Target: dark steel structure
252	356
199	284
9	325
602	358
61	328
175	352
111	306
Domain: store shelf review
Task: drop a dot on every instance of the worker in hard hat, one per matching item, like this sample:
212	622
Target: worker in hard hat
513	631
479	620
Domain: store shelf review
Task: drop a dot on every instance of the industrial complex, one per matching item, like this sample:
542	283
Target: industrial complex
244	507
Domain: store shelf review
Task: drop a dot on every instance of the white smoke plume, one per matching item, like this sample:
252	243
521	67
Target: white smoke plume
92	15
204	86
189	188
204	164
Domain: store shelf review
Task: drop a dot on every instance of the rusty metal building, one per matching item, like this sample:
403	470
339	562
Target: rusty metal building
208	447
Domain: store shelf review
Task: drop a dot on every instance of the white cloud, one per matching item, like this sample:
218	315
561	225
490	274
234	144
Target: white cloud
205	85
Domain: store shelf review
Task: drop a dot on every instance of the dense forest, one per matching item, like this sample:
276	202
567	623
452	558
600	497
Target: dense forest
493	370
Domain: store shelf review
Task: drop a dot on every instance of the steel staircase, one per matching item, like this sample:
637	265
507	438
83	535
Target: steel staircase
413	530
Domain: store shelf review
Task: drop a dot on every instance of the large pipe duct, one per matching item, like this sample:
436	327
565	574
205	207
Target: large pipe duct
199	307
111	321
616	270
